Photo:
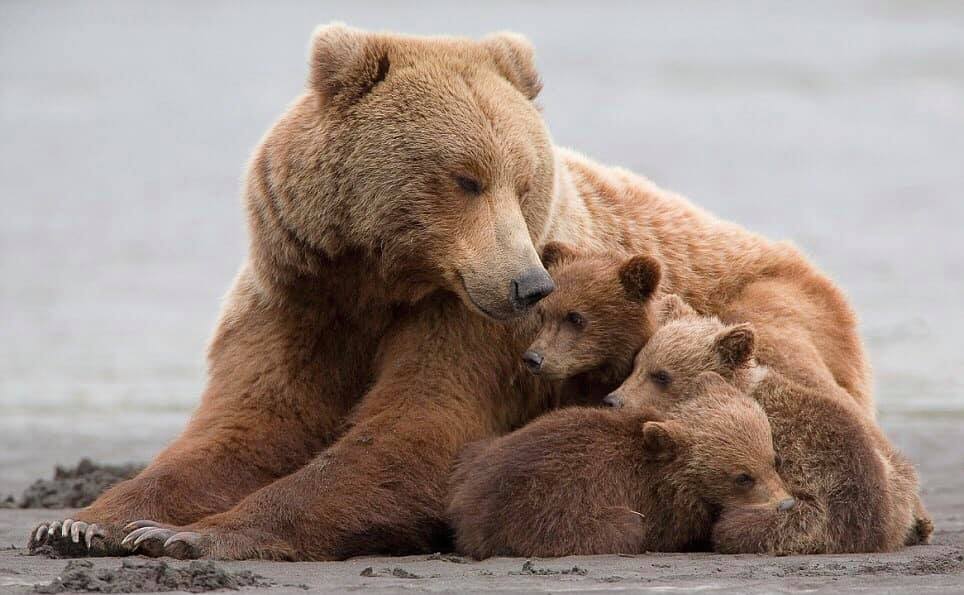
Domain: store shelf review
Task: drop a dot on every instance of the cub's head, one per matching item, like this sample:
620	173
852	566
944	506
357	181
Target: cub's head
427	155
598	317
683	346
720	448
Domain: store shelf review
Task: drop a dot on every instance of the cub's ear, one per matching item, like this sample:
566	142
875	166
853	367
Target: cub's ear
346	63
710	381
659	440
555	253
640	276
672	307
735	344
514	57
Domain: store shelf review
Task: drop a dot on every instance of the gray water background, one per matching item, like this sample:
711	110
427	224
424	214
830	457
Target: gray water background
125	127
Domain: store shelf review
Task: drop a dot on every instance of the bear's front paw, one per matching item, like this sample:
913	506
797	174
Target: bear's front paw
155	539
207	540
71	538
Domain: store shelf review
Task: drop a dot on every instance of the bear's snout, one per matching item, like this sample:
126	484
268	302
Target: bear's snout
528	288
613	400
533	361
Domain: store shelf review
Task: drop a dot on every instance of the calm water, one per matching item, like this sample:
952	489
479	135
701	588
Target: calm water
125	127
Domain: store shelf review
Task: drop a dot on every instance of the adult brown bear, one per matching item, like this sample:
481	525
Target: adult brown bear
395	213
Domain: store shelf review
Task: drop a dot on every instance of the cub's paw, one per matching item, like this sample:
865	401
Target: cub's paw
920	532
70	538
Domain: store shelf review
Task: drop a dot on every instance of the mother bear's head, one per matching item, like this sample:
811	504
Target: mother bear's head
425	154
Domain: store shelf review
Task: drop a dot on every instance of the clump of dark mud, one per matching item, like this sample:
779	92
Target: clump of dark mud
396	572
149	576
453	558
76	487
529	568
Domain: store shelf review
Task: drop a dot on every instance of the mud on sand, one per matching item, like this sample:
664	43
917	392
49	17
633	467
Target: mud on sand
73	487
149	576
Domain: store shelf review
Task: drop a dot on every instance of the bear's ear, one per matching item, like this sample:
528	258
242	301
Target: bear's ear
555	253
346	63
514	57
659	440
672	307
735	344
710	381
640	276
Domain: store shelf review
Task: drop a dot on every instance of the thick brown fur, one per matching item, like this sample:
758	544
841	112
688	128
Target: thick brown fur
854	491
591	481
370	334
594	323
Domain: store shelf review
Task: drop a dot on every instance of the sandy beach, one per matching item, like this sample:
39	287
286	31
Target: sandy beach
836	125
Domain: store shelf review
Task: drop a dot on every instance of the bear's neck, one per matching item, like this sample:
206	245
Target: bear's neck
291	269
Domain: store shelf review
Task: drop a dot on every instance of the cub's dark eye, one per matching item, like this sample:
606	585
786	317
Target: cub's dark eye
661	378
469	185
576	319
744	480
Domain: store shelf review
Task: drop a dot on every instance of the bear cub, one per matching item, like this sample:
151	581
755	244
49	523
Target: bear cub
595	481
593	324
854	491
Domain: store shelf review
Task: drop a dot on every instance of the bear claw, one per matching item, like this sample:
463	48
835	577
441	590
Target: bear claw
91	532
140	525
61	533
153	539
142	534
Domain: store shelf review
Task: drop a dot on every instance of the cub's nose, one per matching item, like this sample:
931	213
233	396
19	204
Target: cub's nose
530	287
533	360
786	504
613	400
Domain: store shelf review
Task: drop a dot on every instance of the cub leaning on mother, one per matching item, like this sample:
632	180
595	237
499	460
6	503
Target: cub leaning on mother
395	212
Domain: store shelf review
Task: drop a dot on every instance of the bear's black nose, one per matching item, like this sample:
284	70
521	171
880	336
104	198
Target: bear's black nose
533	360
786	504
613	400
530	287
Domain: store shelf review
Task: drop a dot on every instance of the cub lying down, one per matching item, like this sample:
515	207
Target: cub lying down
854	491
594	481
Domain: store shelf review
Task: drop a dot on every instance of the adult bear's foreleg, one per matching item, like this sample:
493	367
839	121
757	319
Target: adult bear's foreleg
382	487
274	400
